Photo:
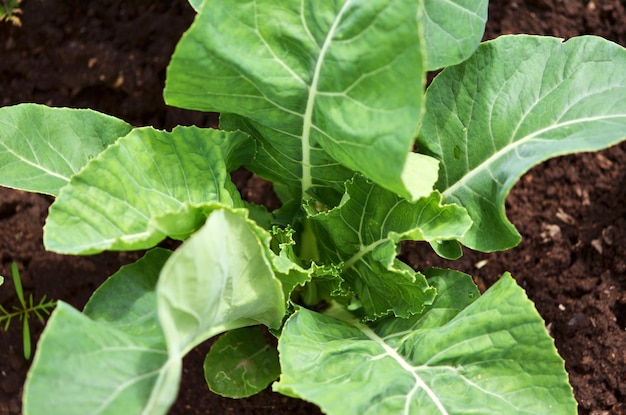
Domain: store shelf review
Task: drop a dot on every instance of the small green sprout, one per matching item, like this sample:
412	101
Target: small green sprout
25	310
9	11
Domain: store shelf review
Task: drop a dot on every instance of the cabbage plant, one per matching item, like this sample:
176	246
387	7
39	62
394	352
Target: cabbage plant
326	100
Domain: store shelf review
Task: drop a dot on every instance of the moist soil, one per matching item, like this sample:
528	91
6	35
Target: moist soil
111	55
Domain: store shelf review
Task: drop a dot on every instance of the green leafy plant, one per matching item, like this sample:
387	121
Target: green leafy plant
326	100
9	11
25	311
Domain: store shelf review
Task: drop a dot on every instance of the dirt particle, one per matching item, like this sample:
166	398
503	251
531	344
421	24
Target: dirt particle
609	234
565	217
597	245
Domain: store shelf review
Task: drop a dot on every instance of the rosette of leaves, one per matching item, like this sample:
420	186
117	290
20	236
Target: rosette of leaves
326	100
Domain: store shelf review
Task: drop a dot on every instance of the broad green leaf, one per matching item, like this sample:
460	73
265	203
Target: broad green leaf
280	161
241	363
119	357
297	73
363	232
127	300
107	360
452	29
149	185
83	367
220	279
492	357
517	102
41	148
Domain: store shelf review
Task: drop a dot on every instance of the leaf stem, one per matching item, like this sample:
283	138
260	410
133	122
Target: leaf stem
307	125
362	252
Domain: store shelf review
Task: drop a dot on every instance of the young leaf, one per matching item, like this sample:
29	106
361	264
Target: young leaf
296	71
41	148
452	29
17	283
26	336
362	233
149	185
119	357
285	261
25	317
519	101
241	363
493	357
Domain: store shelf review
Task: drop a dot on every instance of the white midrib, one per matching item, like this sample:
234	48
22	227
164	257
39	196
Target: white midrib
419	383
495	156
35	165
364	250
307	125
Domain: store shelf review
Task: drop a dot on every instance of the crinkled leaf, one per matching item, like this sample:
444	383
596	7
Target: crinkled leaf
519	101
241	363
326	286
452	29
149	185
286	263
119	358
362	233
41	148
455	291
492	357
297	72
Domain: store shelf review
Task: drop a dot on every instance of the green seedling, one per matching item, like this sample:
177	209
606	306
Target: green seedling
10	11
25	311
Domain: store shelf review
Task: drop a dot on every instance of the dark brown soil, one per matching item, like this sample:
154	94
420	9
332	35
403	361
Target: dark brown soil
111	55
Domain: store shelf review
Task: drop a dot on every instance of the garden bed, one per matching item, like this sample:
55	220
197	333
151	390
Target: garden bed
111	56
